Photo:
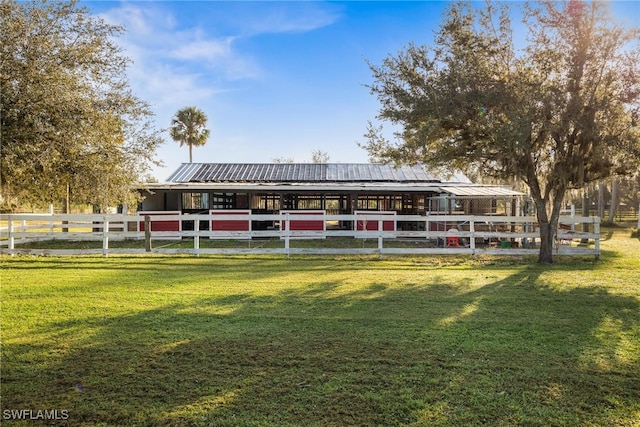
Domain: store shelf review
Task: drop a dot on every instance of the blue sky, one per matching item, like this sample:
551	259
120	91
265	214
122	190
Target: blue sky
276	79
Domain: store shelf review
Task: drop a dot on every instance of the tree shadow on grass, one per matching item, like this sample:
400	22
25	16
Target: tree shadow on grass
514	351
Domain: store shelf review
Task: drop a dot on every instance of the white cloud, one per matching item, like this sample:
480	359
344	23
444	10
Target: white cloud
288	17
208	50
215	55
202	50
155	43
137	20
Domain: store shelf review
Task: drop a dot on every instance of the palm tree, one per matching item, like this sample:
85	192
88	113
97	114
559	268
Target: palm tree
188	127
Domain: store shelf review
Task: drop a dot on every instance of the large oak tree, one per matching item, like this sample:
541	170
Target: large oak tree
70	125
559	111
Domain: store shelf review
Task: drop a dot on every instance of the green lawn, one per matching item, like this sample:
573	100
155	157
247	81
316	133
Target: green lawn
252	341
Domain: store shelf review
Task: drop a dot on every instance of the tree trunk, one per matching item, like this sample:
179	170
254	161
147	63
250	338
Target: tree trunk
601	199
548	215
67	201
614	199
547	235
66	207
190	153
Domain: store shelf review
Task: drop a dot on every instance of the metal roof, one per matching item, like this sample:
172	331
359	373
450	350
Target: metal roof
480	191
307	173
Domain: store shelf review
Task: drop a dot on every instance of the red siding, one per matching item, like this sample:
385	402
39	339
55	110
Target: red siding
228	224
156	225
297	223
371	223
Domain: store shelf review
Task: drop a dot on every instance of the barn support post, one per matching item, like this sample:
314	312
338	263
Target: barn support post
105	236
147	233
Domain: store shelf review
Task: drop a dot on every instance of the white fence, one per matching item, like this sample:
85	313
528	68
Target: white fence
507	235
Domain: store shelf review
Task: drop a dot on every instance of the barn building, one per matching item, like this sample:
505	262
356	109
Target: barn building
331	188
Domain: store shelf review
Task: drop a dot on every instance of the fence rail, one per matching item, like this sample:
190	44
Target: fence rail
445	234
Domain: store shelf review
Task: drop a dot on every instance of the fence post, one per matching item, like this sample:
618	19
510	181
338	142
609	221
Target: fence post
585	213
105	236
196	237
472	238
287	232
51	213
147	233
12	242
596	229
380	239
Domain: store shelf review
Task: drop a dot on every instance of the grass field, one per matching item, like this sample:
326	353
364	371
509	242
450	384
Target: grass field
331	341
